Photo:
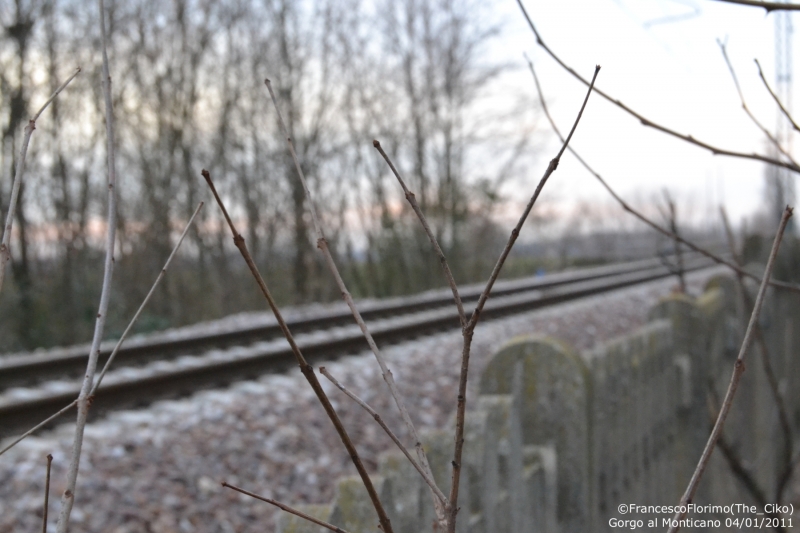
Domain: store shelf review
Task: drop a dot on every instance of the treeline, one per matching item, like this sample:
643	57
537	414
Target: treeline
188	83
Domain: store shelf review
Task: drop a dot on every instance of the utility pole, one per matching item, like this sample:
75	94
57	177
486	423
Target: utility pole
781	180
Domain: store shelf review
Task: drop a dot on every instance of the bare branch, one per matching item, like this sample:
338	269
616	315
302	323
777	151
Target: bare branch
768	6
772	380
305	368
729	236
46	493
738	369
647	122
673	226
735	462
775	97
469	330
515	232
775	142
119	342
431	483
322	244
746	478
55	93
19	172
144	302
412	199
84	398
286	508
714	257
39	426
741	472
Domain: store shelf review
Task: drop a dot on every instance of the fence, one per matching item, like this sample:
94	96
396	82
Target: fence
557	439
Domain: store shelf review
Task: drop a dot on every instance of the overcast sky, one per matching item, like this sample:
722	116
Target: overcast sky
661	58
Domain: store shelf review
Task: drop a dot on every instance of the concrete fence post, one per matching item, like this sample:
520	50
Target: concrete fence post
556	441
553	398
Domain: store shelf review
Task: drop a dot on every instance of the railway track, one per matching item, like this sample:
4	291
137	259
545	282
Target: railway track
162	366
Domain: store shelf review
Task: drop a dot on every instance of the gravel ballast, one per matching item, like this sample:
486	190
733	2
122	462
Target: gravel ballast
159	469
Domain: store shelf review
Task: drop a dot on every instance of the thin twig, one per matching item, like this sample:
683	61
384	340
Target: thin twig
60	88
742	473
46	493
473	321
431	483
768	6
775	97
39	426
412	199
305	368
627	207
322	244
286	508
760	126
726	225
144	302
772	380
747	479
673	226
515	232
84	398
647	122
735	463
119	342
738	369
19	172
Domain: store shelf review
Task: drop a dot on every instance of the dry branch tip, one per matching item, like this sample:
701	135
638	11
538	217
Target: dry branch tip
305	368
46	505
736	375
469	329
426	476
668	131
85	397
288	509
626	207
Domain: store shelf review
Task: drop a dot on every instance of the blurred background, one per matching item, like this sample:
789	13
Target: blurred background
443	85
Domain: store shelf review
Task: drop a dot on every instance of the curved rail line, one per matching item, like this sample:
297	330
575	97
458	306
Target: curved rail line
324	336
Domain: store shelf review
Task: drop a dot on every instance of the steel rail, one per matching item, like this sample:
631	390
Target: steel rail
27	369
224	367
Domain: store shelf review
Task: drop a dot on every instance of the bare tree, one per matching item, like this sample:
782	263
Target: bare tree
19	30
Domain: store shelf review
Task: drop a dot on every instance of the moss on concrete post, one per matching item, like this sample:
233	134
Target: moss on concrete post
690	324
289	523
636	404
554	406
407	490
352	508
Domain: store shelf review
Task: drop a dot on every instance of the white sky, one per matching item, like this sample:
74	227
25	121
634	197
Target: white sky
672	73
